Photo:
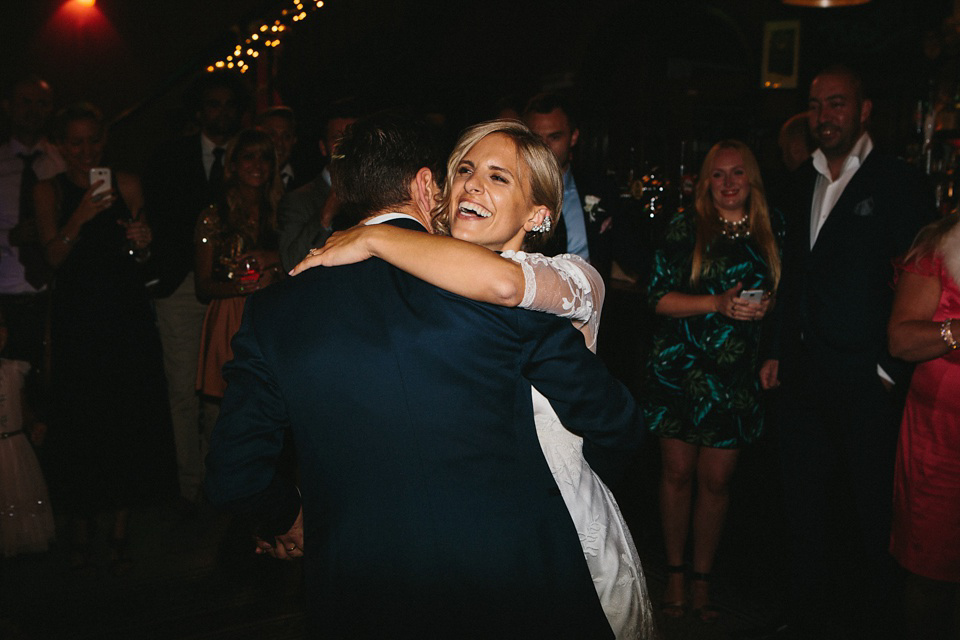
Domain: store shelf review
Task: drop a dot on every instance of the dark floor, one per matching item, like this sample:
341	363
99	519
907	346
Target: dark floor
178	588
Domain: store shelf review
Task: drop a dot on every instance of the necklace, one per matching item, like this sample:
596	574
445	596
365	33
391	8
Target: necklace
735	229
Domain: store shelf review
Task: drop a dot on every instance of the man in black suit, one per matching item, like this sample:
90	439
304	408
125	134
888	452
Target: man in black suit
280	123
856	210
306	215
184	177
590	199
425	507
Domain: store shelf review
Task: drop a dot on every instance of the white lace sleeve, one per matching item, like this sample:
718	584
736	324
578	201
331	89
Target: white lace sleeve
566	286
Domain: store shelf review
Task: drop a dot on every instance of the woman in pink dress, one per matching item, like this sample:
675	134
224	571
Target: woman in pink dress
236	249
924	328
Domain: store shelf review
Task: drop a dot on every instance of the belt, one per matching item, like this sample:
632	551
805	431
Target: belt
6	434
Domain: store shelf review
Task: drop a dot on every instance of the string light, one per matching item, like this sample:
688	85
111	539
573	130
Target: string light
253	44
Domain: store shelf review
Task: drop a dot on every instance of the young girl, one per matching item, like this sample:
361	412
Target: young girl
26	521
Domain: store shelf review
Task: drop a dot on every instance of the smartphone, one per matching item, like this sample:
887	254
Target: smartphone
100	173
752	295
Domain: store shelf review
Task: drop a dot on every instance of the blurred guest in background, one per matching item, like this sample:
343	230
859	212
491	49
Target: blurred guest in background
852	211
591	200
24	159
924	328
712	282
795	148
236	249
550	116
794	141
184	176
306	216
109	428
281	124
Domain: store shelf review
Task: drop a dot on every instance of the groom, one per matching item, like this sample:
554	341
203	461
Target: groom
425	507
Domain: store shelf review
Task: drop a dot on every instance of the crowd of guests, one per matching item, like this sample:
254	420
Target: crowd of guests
121	295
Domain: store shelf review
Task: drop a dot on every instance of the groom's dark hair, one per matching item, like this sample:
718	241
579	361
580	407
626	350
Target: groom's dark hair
377	159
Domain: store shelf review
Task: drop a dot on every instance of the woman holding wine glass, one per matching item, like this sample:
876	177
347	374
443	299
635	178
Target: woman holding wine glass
236	249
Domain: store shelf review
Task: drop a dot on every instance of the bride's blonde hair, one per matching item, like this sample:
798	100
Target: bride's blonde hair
545	180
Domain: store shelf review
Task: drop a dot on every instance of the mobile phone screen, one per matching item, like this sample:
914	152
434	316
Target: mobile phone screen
100	173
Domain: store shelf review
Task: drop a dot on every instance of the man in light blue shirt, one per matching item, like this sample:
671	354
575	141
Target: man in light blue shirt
548	116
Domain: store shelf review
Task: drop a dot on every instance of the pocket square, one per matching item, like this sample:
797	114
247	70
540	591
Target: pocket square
864	208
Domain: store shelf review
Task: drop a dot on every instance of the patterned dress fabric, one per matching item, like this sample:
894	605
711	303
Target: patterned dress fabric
701	385
223	315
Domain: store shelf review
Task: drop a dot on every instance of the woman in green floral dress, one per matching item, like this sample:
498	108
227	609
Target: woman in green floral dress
712	283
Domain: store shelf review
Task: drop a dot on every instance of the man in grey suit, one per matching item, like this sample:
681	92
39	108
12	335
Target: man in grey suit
306	215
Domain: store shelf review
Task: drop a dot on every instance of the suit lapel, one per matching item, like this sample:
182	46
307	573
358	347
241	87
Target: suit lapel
856	191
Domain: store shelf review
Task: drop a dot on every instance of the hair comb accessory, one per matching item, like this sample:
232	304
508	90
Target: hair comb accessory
544	226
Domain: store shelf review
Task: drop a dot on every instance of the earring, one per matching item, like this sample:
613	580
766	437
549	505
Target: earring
543	227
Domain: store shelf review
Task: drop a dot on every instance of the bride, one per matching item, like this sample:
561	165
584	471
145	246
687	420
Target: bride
503	188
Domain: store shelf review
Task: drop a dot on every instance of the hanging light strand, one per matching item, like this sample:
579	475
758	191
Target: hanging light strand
264	34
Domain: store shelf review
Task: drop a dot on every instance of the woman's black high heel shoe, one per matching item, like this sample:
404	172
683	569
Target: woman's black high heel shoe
707	613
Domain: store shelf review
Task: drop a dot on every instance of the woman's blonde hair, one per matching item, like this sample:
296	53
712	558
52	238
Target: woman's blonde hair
928	238
709	224
270	192
545	180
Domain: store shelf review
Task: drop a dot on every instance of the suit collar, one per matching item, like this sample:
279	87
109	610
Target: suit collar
857	190
397	219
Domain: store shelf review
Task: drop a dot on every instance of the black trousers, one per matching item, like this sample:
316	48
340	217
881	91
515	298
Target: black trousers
838	429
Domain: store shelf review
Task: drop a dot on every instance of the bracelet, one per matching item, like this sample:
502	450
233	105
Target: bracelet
947	334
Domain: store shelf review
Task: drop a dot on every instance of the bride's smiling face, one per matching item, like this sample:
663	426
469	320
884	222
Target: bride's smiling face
490	203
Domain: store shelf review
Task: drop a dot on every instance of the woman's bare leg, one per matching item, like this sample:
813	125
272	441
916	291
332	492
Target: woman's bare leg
679	460
715	468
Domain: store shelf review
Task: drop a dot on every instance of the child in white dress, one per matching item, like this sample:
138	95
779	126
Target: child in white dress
26	520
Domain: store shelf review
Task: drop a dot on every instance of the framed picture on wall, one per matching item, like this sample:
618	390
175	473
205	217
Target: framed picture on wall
781	52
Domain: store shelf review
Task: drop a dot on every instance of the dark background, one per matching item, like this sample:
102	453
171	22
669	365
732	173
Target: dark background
648	75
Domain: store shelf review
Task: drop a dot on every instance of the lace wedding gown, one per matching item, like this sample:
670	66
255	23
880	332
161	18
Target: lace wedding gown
567	286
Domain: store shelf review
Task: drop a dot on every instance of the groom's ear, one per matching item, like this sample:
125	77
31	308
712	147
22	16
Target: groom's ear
424	191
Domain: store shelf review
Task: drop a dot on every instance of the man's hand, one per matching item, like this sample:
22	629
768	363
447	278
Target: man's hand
769	374
287	546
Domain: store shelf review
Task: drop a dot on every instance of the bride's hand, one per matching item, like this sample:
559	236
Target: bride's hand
343	247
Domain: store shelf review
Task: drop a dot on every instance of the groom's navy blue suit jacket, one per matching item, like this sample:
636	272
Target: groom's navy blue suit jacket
429	510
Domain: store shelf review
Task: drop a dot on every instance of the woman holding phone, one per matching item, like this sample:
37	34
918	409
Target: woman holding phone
712	283
108	418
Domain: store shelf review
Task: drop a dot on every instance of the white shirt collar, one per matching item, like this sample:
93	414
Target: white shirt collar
386	217
207	145
16	147
861	149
